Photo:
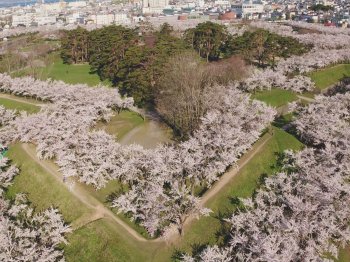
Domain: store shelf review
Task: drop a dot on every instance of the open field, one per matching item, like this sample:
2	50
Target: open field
275	97
103	241
70	74
19	104
329	76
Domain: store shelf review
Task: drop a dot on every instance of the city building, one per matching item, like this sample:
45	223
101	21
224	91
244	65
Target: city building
248	8
154	6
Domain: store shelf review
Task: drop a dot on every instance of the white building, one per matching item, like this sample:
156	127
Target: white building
325	2
108	19
23	19
45	20
104	19
120	18
72	18
223	3
250	7
29	19
154	6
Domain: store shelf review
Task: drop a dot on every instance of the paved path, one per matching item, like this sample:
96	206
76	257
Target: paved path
101	211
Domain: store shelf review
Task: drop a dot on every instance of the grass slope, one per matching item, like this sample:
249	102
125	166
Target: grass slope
42	189
103	195
329	76
103	241
11	104
120	124
71	74
275	97
344	255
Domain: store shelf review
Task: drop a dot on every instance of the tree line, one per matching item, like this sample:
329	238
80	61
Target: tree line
171	73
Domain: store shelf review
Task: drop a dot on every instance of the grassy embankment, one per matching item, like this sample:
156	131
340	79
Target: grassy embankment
121	124
329	76
323	79
27	104
275	97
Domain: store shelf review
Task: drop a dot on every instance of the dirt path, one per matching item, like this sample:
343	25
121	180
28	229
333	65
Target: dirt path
306	98
225	178
85	197
100	211
11	97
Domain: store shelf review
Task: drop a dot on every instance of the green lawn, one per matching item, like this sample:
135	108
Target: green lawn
104	194
11	104
275	97
121	123
105	241
329	76
344	255
70	74
42	189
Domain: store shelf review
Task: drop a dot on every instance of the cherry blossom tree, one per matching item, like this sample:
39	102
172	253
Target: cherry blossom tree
302	212
25	235
62	131
6	115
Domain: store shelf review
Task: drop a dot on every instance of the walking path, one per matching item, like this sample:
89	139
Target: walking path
225	178
84	196
232	172
101	211
308	99
24	101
